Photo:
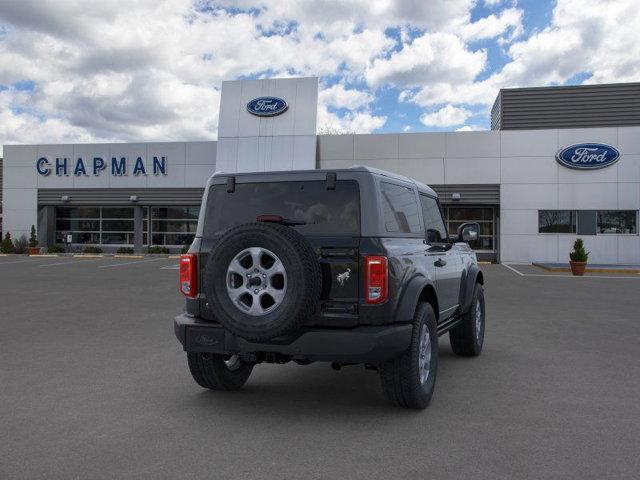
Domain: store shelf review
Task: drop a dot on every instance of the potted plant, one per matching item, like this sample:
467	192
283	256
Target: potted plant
33	242
7	244
578	258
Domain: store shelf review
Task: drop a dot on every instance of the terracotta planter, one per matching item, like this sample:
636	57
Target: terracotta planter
34	250
578	268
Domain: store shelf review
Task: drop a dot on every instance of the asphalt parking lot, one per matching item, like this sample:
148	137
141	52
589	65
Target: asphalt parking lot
93	385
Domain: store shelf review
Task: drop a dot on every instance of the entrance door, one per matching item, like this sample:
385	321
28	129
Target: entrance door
486	246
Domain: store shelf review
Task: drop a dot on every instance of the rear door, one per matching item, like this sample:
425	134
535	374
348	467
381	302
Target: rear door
441	257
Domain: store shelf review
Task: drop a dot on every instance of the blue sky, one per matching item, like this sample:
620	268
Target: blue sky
77	71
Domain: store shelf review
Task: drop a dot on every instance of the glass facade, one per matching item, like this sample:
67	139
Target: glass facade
618	221
556	221
173	226
484	216
169	226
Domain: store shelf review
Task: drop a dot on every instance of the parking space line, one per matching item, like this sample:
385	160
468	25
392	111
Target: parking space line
31	260
170	267
70	262
513	269
130	263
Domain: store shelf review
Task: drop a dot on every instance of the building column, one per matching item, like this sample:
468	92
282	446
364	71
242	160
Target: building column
138	228
46	229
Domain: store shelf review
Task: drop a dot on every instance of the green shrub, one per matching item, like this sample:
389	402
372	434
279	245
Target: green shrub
92	250
158	249
579	254
33	238
124	251
185	248
21	244
55	249
7	244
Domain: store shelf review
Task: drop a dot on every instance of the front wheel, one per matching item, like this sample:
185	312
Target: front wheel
409	380
218	372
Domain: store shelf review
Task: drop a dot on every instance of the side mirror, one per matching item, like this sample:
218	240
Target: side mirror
468	232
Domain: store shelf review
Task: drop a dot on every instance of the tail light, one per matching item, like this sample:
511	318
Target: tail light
376	274
188	275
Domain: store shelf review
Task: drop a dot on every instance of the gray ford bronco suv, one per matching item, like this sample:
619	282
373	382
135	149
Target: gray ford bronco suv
351	266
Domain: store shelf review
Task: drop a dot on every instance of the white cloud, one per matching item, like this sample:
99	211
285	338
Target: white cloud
432	57
469	128
338	96
407	128
447	116
151	69
509	20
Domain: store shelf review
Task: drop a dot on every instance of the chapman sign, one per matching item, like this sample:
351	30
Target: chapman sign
267	106
588	156
96	165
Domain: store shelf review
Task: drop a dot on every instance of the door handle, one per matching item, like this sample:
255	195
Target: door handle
440	263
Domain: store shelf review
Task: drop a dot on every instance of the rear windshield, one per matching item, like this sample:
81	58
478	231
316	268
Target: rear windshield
325	212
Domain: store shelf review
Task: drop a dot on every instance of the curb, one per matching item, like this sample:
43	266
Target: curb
588	270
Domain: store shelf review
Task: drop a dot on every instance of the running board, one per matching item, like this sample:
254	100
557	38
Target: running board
448	324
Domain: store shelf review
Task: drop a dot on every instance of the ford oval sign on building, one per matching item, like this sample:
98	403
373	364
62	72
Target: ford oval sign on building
267	106
588	156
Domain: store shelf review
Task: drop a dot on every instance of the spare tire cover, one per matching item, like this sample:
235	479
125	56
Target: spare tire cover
262	280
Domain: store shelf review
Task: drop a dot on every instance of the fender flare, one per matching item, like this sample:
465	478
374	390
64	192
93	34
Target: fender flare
409	299
467	284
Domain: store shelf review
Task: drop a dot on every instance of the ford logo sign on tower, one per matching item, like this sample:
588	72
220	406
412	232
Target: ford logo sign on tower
588	156
267	106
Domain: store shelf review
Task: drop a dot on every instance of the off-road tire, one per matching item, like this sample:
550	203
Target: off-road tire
464	337
210	371
304	280
401	377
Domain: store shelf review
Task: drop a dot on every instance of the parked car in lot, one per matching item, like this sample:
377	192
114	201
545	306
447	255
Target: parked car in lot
351	266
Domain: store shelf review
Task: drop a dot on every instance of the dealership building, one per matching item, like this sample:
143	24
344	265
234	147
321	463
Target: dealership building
559	162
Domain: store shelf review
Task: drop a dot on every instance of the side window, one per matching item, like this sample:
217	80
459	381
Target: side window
433	223
400	209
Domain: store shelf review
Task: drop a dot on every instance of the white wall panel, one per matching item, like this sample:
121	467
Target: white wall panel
529	170
587	196
20	156
629	249
472	170
421	145
629	168
529	143
200	153
528	196
570	136
629	196
519	222
335	147
425	170
528	248
629	140
197	175
473	144
375	147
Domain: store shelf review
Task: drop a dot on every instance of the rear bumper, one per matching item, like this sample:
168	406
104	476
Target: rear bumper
356	345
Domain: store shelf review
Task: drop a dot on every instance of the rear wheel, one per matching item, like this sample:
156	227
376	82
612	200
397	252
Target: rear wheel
218	372
409	380
468	336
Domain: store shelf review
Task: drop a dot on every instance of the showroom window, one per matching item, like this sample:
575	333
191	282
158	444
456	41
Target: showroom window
173	226
618	221
400	209
484	216
95	225
556	221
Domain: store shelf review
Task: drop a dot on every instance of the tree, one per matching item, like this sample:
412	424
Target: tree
7	244
33	239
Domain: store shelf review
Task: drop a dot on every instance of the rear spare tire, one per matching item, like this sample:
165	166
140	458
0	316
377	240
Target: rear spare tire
262	280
